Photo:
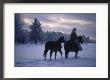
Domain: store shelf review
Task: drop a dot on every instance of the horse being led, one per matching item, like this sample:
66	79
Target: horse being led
72	46
54	46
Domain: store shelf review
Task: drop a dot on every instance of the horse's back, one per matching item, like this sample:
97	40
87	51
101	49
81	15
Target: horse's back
52	45
49	44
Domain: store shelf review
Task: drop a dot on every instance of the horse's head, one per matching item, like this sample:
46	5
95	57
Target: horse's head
80	38
61	39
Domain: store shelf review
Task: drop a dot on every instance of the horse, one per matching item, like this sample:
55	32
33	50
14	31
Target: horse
54	46
72	46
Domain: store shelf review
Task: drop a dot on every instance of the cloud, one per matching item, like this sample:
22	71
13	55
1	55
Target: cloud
70	22
53	20
64	22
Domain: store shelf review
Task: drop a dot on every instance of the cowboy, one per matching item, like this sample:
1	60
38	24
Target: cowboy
74	37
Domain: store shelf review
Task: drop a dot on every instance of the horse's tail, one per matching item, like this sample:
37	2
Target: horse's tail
44	54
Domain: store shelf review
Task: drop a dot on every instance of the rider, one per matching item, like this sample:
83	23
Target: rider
74	37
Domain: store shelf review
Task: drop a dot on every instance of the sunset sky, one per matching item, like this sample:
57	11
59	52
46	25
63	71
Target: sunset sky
64	22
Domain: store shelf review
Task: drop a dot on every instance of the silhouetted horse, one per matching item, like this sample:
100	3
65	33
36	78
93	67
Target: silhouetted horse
72	46
53	46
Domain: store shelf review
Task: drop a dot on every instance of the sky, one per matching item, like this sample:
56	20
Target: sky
85	23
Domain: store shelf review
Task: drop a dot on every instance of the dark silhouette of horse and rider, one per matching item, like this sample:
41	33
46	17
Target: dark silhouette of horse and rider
72	45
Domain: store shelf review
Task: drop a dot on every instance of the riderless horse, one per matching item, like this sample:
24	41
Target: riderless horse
53	46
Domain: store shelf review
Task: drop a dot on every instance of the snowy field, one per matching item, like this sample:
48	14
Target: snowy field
31	55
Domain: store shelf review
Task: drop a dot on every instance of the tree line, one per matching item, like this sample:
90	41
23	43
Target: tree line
36	34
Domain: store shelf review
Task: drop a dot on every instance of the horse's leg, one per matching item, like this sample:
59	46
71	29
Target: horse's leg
61	53
55	54
76	54
51	53
66	54
45	53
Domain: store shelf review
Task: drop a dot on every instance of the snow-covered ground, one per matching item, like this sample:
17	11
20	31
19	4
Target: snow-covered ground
31	55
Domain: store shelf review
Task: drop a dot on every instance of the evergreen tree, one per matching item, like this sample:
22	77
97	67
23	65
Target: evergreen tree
19	38
36	31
